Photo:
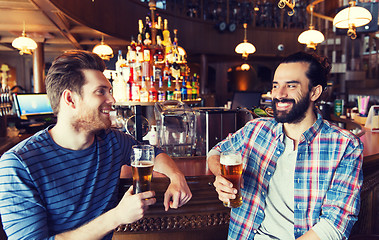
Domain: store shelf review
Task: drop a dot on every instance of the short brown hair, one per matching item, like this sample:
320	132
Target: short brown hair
66	73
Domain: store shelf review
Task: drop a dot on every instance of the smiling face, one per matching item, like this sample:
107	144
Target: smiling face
290	92
94	104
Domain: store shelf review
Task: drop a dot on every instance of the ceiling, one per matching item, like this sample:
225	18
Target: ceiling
46	24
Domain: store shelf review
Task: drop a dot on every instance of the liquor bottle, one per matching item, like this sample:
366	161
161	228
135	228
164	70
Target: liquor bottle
183	90
139	49
132	51
194	90
189	88
158	26
153	93
166	33
147	40
129	85
170	90
147	27
144	94
135	91
140	28
159	52
119	89
161	91
177	92
119	62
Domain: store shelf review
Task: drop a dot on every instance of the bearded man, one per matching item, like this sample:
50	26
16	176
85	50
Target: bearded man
301	175
62	183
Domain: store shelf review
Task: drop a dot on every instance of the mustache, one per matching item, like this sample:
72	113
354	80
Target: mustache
285	100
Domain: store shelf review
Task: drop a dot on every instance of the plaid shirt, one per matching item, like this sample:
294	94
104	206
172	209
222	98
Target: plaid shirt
328	175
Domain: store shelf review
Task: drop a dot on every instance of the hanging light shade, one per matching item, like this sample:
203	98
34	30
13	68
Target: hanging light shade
351	18
103	50
245	48
311	37
25	44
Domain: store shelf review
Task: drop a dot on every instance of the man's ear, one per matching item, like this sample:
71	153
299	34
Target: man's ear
68	98
316	93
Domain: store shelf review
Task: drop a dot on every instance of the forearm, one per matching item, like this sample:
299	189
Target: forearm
214	164
165	165
310	235
93	230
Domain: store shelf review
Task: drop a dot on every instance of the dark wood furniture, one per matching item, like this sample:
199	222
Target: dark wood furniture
204	217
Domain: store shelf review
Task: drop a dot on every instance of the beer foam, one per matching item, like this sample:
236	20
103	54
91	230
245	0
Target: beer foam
231	159
142	164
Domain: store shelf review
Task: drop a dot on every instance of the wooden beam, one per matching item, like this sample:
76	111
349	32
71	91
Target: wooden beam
58	20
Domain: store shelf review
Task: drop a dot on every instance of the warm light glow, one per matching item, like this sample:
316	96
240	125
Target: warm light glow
245	67
351	18
311	38
245	48
25	44
103	50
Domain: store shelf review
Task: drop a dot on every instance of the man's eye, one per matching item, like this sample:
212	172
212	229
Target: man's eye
101	91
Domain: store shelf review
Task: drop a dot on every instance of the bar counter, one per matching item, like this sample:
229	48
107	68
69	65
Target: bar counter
204	216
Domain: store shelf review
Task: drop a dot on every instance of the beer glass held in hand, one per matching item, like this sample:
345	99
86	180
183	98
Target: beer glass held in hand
142	162
231	169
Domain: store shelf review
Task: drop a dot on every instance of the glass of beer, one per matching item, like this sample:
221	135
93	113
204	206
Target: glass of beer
231	169
142	162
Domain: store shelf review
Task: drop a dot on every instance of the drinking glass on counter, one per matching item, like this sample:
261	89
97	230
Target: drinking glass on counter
231	169
142	162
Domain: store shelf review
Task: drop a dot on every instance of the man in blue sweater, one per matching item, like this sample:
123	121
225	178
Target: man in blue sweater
62	182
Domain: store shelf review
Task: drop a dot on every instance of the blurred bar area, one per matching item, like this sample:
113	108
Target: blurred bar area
180	84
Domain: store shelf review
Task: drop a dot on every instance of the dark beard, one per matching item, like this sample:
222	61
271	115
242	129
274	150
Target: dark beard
296	114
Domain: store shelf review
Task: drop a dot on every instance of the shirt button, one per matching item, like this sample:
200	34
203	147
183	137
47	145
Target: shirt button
261	211
254	231
298	206
300	155
268	173
278	152
263	193
298	180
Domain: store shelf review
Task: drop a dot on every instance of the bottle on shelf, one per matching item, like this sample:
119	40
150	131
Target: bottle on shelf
132	51
144	94
177	92
119	88
153	93
158	26
183	90
189	88
194	88
129	85
119	62
166	33
140	28
170	89
161	91
147	27
135	91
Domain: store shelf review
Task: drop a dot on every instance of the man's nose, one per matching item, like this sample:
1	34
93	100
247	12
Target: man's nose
281	93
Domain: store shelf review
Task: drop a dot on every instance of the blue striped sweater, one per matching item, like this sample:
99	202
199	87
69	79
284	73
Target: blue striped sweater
46	189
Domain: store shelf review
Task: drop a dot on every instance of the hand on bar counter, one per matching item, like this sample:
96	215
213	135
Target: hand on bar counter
63	182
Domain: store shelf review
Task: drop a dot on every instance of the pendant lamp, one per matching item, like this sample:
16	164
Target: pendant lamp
25	44
351	18
245	48
311	37
103	50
